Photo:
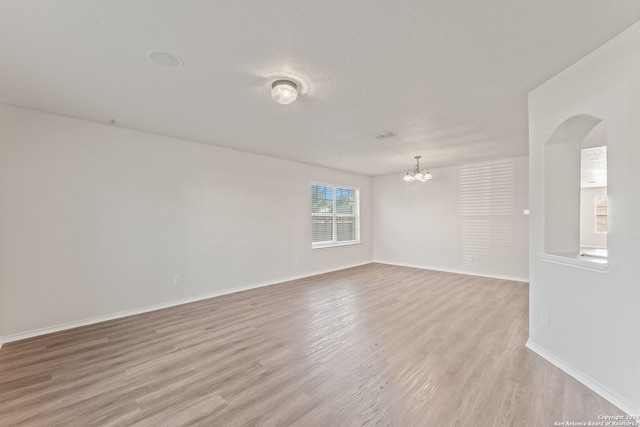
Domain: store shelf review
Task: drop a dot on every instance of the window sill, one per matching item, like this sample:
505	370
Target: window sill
599	265
334	245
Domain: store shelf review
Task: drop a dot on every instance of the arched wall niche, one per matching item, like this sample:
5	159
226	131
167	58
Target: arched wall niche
562	165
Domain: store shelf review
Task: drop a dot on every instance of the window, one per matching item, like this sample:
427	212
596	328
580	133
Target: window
335	216
602	225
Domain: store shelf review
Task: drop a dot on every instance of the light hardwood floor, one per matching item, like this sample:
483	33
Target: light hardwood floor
370	345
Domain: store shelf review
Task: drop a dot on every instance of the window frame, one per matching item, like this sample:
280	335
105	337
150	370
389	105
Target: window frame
335	215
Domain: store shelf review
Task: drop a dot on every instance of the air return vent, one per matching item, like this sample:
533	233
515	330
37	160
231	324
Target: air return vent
385	134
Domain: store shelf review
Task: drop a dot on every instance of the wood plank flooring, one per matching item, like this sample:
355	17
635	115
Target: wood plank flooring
370	345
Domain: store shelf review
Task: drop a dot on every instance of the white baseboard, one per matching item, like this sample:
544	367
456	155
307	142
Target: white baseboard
146	309
468	273
594	385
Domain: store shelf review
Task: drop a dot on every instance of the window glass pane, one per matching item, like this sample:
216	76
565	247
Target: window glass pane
601	224
345	229
601	215
321	228
345	201
321	199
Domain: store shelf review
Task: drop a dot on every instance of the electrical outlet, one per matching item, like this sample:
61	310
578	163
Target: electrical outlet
544	316
176	280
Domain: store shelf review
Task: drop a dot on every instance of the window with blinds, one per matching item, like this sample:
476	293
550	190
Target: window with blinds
602	225
335	215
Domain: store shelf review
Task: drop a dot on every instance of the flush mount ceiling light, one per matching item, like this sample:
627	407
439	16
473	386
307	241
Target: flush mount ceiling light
284	91
417	175
165	59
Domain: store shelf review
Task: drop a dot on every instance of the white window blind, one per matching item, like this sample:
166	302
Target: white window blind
335	215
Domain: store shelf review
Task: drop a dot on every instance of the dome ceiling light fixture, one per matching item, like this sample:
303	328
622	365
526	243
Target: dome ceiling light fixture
417	175
284	91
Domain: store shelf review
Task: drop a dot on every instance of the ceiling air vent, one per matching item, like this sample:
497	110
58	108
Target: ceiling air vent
386	134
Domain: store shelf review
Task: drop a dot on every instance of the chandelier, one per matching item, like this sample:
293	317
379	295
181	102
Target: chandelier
417	175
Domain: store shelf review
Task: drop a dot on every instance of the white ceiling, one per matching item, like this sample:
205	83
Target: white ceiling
449	77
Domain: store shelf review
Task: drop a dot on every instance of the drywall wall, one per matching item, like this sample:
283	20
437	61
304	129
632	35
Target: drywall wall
468	219
594	318
97	220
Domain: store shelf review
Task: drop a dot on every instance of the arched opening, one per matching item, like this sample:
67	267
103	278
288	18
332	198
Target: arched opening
563	170
594	224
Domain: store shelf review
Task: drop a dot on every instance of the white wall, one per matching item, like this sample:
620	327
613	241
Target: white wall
588	236
594	320
468	219
96	220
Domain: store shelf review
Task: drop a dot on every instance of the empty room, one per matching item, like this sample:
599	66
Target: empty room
414	213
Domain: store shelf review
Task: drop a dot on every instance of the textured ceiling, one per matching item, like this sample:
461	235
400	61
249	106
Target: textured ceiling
450	78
